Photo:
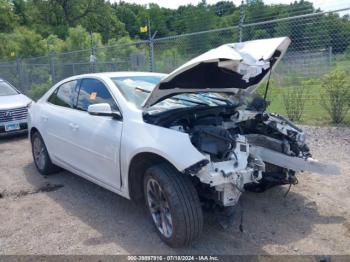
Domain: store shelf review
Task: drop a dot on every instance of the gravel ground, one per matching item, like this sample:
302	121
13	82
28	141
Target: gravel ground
65	214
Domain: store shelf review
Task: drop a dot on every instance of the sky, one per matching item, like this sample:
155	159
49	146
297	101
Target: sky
323	4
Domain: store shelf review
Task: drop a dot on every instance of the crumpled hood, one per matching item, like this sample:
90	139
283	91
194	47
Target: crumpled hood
223	69
14	101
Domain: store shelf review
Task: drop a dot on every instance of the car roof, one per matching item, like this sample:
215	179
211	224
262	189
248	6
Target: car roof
120	74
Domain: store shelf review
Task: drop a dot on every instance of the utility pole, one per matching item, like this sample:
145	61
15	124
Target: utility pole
241	20
151	46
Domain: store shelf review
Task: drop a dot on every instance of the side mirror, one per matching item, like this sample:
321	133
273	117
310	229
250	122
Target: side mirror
103	109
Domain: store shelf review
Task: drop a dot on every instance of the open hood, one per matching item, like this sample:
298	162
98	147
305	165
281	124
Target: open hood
223	69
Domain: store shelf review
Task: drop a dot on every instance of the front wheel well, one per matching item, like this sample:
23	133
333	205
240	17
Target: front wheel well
137	168
32	131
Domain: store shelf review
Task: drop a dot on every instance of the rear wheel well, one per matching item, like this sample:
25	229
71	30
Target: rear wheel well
137	168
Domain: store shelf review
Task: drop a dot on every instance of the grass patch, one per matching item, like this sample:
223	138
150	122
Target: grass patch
313	114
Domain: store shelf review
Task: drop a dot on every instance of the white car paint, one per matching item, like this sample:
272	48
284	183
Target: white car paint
14	101
90	145
101	148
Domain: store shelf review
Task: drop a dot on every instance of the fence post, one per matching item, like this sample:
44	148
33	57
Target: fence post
19	72
52	67
151	47
330	53
151	55
93	59
241	20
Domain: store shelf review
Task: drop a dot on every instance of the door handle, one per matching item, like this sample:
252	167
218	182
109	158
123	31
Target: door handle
44	118
73	126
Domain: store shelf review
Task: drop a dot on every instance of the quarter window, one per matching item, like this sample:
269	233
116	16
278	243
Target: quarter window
93	91
65	95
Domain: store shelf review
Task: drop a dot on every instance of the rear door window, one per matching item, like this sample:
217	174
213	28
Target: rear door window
65	95
93	91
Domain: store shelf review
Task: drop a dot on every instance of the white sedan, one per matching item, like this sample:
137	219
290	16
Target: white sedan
13	109
178	141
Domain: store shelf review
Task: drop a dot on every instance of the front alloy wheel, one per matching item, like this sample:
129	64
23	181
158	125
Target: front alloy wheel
159	208
173	204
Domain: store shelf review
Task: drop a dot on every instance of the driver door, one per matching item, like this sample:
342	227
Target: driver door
96	138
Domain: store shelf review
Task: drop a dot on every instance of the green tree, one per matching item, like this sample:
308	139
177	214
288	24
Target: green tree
78	38
8	20
19	9
22	42
55	44
224	8
74	10
104	21
121	49
128	17
50	18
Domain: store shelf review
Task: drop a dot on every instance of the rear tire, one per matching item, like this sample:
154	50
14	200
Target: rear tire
41	157
173	204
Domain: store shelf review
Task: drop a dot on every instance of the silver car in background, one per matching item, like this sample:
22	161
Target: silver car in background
13	109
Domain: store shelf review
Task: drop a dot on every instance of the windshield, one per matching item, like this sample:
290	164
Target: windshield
6	89
137	88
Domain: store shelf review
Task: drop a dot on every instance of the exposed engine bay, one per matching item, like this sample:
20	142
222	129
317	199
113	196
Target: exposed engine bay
245	148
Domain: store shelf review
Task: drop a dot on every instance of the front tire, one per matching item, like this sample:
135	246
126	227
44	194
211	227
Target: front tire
173	204
41	157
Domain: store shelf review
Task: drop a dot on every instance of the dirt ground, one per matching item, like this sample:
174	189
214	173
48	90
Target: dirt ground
65	214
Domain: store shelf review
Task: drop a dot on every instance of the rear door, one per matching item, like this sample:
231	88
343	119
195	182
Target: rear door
96	139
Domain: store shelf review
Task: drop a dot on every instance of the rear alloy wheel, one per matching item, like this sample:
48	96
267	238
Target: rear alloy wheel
173	204
41	157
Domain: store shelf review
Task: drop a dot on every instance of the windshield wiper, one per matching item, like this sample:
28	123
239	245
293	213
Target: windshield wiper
142	90
218	99
189	100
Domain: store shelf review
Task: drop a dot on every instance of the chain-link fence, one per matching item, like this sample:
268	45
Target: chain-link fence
320	43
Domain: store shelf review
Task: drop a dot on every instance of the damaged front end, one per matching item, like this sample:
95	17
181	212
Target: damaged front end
243	150
243	146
